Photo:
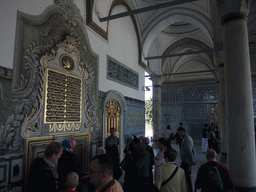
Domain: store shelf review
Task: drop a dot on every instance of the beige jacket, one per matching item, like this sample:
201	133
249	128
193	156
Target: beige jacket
176	184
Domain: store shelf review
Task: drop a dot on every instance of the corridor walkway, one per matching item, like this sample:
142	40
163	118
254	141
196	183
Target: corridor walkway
199	158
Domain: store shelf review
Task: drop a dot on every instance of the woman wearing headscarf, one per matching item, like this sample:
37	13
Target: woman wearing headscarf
142	163
128	164
66	163
150	151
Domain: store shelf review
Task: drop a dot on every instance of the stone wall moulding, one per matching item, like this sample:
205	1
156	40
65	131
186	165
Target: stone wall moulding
39	42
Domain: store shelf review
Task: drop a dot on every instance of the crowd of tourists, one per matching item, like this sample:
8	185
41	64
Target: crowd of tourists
142	170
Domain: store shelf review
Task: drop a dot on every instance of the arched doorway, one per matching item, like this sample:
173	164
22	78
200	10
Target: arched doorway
113	116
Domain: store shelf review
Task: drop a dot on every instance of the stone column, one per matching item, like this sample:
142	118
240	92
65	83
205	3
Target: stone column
157	109
239	104
222	113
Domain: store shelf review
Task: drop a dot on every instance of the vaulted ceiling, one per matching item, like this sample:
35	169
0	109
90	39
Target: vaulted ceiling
170	36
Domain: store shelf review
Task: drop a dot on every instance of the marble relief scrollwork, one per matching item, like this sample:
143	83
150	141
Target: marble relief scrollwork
29	88
91	119
72	13
29	101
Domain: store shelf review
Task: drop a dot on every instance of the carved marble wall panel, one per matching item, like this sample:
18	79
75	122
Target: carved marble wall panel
11	172
16	169
4	175
6	100
57	40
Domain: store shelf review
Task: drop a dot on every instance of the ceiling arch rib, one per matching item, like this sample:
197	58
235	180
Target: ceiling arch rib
156	49
185	43
179	64
170	17
187	67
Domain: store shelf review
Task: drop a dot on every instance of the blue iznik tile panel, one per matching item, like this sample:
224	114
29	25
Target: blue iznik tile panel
120	73
189	104
196	112
172	116
172	94
134	117
200	92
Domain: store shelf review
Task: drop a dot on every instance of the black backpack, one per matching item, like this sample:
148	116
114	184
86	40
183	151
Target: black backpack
213	177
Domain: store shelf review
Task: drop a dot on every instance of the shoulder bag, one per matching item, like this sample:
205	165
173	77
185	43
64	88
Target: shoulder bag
172	175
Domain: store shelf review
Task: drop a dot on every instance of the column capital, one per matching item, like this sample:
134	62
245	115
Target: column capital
157	80
233	9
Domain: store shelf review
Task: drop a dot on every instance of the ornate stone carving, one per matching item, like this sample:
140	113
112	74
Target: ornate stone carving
72	13
91	121
29	101
30	87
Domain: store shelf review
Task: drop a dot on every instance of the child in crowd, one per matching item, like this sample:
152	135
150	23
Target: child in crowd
72	182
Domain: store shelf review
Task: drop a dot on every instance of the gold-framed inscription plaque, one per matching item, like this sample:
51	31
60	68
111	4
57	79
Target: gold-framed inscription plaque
63	102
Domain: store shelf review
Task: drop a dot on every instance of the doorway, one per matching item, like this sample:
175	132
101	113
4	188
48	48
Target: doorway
112	117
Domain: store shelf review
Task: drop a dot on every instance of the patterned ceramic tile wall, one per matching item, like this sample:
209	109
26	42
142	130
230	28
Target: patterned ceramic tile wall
201	93
134	117
172	116
189	104
172	94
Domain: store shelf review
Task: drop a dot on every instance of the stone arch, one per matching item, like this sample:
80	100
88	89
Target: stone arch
204	60
170	16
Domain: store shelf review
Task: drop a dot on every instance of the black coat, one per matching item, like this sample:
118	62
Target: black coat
41	178
66	164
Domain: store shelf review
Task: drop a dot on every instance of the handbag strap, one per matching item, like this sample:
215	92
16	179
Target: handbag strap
172	175
110	184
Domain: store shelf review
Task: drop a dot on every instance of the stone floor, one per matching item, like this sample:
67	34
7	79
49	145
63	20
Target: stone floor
199	158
